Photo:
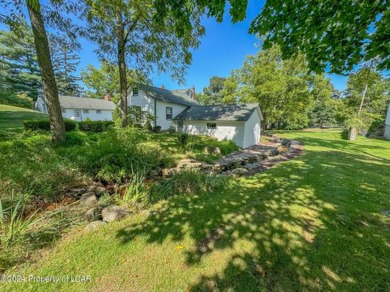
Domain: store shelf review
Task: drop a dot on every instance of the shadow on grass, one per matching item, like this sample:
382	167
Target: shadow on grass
312	223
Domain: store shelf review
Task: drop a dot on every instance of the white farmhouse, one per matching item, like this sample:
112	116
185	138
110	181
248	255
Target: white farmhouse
180	109
387	124
81	108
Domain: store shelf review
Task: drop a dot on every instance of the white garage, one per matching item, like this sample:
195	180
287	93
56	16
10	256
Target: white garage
240	123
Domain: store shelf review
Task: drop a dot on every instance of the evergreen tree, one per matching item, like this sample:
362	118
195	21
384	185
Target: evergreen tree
19	69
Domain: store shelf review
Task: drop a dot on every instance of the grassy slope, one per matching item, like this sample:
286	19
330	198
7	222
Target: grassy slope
312	223
12	117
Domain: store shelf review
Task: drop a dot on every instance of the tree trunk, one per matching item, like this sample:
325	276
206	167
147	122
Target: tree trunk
122	68
352	133
57	126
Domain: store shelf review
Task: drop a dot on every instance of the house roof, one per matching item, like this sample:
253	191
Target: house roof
231	112
171	96
75	102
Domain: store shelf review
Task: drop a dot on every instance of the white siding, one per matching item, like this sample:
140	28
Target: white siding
161	113
105	115
225	130
148	104
252	129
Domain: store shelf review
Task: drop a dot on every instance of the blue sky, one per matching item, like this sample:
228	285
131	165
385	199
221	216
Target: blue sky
222	49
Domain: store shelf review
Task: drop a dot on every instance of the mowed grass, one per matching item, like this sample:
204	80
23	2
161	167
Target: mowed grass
12	117
312	223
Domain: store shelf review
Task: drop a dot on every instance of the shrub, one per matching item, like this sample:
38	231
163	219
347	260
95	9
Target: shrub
183	139
95	126
187	182
171	130
35	125
157	129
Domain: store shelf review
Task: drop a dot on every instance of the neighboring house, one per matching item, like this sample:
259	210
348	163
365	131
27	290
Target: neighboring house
387	124
181	110
81	108
240	123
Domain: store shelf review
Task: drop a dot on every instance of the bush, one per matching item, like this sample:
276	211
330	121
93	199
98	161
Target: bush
35	125
183	139
157	129
95	126
16	99
171	130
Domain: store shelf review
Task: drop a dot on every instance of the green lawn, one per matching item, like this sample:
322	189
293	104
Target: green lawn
12	117
312	223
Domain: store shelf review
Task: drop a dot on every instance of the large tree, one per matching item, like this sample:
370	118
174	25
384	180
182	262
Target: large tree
280	86
105	80
366	99
129	33
19	69
64	52
50	13
212	94
325	103
340	33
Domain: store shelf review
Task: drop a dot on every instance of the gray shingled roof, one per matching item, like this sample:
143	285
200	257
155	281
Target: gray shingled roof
75	102
231	112
172	96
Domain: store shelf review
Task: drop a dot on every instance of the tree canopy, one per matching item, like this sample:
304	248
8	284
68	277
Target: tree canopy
334	35
212	94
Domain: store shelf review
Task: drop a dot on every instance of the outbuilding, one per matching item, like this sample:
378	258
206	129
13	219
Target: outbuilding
240	123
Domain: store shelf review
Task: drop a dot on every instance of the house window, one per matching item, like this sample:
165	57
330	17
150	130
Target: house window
135	91
98	111
211	125
63	110
77	113
168	113
85	111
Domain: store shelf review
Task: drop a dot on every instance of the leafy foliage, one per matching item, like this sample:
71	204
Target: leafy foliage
95	126
212	94
338	33
16	99
280	86
19	70
34	125
105	80
374	105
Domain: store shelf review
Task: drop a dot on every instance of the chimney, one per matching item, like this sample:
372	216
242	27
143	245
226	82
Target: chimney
108	97
162	86
193	91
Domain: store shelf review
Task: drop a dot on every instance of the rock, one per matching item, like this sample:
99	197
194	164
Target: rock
239	171
88	199
167	172
386	213
92	214
217	151
114	213
97	190
189	164
95	225
206	166
286	143
251	166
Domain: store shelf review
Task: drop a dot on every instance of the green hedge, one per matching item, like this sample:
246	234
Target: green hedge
87	126
95	126
34	125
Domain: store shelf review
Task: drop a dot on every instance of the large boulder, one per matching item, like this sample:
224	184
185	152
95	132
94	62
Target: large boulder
88	199
97	190
114	213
